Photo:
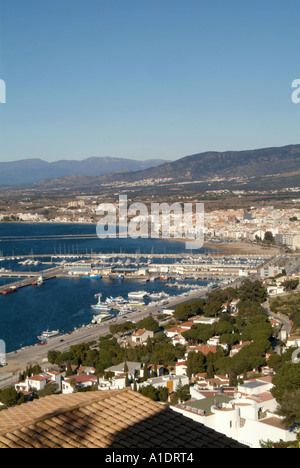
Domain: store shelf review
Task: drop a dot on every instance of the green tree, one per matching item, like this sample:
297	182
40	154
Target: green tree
212	308
269	238
49	389
148	323
182	312
162	394
69	371
253	291
195	363
290	407
290	285
10	397
286	381
181	394
149	391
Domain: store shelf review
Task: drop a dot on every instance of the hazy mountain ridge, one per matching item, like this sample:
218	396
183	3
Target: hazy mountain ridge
198	167
30	171
250	163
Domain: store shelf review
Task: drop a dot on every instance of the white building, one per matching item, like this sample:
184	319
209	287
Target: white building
75	382
181	368
141	336
39	381
239	418
255	387
133	369
169	381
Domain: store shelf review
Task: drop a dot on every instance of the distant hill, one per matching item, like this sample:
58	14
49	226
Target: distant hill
30	171
253	164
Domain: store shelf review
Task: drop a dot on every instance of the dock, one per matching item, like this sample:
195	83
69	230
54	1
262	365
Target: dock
28	276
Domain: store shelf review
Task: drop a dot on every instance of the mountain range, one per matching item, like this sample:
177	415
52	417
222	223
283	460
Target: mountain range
259	163
30	171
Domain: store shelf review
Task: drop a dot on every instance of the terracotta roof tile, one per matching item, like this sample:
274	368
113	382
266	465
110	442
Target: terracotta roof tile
104	419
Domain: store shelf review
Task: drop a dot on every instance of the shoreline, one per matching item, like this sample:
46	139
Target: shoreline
232	247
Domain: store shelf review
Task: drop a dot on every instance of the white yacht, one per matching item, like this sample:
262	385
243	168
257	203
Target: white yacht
101	318
40	281
137	294
136	303
48	334
116	300
155	296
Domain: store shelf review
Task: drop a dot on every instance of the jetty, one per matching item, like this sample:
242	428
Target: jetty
27	277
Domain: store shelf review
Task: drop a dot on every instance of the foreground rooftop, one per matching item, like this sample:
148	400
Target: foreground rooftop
112	419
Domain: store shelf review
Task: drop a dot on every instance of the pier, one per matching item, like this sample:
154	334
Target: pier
28	276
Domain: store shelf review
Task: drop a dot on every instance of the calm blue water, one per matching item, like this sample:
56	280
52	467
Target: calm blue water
63	303
27	239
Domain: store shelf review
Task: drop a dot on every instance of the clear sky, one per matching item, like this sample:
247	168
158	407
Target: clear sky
147	79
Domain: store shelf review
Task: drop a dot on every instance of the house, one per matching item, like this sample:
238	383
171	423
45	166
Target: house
265	401
168	311
83	370
39	381
293	342
253	387
141	336
204	320
175	331
186	325
204	349
117	382
152	368
133	369
178	340
213	341
169	381
275	290
237	348
181	368
204	383
240	418
75	382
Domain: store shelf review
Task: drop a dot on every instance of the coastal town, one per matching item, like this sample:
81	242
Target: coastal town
282	225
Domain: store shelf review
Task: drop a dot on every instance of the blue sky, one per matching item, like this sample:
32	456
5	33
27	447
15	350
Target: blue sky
147	79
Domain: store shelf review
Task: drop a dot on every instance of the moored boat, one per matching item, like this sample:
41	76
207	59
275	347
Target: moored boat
10	290
48	334
100	306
